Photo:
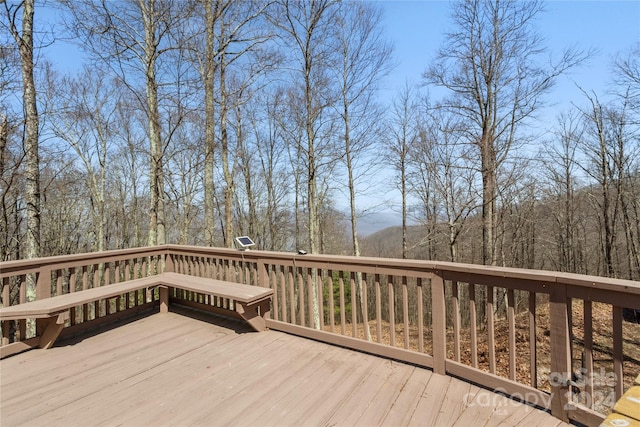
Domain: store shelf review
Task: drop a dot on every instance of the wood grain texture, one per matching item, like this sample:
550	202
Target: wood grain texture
190	368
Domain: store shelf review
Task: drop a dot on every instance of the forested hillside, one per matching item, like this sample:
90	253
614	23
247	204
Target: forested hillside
193	122
534	237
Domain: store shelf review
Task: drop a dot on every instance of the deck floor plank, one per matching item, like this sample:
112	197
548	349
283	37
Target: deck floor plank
243	380
386	397
431	401
289	391
192	369
485	408
405	405
100	374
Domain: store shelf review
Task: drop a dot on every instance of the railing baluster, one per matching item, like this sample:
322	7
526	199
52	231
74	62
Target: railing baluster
378	308
456	320
354	305
365	308
107	274
240	273
618	357
560	357
511	318
332	303
473	325
6	292
85	286
144	272
72	288
491	343
533	346
588	351
301	300
59	282
439	325
310	297
281	279
420	315
22	323
272	273
6	332
343	317
319	285
96	276
392	312
6	302
405	311
292	298
116	271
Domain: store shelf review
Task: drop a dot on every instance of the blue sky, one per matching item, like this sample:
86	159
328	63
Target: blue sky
417	27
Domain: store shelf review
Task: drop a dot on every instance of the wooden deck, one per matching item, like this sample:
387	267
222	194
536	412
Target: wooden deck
177	369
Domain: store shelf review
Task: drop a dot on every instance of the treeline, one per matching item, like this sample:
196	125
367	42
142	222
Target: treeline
196	121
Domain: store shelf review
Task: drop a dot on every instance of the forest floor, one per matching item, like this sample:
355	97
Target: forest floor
603	396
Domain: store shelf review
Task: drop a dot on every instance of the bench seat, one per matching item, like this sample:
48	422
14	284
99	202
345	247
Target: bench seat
48	307
251	303
238	292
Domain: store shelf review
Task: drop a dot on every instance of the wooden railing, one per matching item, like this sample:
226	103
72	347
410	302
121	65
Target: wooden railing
555	340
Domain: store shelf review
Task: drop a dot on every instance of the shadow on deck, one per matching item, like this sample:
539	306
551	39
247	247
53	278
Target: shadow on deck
197	369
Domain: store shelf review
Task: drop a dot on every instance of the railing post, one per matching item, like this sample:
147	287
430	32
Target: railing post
263	282
263	274
439	324
168	263
560	358
43	284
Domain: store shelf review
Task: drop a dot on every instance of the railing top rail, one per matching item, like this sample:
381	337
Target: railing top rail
26	266
458	270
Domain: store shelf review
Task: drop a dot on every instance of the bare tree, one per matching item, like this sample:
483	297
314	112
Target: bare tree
133	38
23	38
227	64
271	158
490	63
403	128
308	26
85	111
627	76
560	167
10	159
442	155
365	58
602	148
307	29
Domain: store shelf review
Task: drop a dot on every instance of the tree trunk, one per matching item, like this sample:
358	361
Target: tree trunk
31	137
489	188
209	109
156	175
229	189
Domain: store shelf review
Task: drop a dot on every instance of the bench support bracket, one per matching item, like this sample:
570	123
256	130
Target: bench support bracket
49	329
254	314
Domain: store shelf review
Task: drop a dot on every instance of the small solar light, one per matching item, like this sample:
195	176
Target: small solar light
244	242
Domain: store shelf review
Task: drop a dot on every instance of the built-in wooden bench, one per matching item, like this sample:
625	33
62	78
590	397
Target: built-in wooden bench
251	303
